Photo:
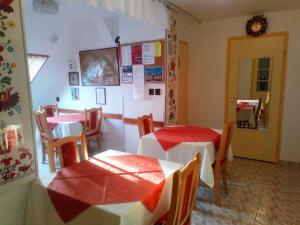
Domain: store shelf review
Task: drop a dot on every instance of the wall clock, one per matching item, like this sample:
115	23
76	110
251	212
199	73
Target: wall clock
257	26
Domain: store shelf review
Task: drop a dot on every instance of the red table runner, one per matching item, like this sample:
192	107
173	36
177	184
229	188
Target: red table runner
106	180
169	137
53	121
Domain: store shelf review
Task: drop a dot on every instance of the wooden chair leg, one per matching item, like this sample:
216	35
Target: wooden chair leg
217	188
43	152
224	176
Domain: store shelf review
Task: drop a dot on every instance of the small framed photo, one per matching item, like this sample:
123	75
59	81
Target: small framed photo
101	96
73	78
75	94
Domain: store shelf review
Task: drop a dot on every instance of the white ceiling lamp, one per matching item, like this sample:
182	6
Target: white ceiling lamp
45	6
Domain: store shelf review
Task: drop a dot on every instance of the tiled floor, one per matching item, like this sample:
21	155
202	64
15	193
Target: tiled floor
259	194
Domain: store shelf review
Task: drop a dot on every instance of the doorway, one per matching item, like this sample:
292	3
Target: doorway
254	94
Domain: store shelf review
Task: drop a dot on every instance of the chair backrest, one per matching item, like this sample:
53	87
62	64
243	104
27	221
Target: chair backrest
185	183
42	124
67	150
224	143
92	119
145	124
51	110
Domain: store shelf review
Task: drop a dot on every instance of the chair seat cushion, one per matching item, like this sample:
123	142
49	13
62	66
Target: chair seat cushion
92	133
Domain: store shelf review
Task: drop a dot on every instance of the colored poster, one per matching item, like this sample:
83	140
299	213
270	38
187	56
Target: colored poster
154	74
148	53
127	74
136	54
157	49
126	55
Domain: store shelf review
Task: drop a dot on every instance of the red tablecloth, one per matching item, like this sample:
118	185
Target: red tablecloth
244	105
169	137
53	121
106	180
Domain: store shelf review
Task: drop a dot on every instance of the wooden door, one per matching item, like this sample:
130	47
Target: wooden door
182	82
257	113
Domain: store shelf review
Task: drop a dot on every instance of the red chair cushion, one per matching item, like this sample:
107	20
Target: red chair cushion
69	154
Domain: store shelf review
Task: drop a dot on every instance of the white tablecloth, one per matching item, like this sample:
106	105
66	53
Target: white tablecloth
40	210
183	153
64	129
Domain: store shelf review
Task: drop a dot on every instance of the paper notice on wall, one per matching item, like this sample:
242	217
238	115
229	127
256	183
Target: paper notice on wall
126	55
138	81
157	49
148	53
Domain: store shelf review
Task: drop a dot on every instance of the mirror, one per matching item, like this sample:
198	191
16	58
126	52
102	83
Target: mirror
253	94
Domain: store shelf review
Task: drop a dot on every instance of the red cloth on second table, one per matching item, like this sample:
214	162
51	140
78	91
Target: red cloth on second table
53	121
169	137
106	180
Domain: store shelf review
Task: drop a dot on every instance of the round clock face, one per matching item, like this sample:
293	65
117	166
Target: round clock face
256	26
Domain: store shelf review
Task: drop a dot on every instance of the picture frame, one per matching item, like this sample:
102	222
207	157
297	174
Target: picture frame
100	67
73	78
154	74
75	93
101	96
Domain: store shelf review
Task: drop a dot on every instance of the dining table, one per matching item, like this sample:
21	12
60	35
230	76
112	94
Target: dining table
70	125
180	143
110	188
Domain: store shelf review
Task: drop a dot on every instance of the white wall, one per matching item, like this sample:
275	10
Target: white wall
76	33
207	71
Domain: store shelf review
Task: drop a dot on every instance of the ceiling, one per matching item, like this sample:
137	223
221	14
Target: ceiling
207	10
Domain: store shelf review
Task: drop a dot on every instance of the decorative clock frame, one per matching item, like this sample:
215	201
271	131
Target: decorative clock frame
257	26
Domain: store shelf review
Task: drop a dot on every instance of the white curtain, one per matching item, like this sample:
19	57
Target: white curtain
149	11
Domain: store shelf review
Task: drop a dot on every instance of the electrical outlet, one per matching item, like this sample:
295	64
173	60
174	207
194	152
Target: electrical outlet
157	91
151	91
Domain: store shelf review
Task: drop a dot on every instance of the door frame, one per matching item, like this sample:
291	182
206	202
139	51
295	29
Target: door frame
285	36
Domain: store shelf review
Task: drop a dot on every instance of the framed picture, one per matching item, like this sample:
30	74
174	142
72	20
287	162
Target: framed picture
100	67
75	94
73	78
127	74
101	96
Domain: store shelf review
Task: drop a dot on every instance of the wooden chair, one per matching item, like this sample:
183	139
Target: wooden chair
44	130
67	150
92	124
145	124
220	164
51	110
185	183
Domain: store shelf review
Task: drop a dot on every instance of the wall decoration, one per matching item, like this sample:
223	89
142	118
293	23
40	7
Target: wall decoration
256	26
136	54
101	96
172	73
154	74
73	78
100	67
75	94
17	159
127	74
150	54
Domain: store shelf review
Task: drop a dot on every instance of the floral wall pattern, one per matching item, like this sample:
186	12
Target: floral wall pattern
17	158
172	73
